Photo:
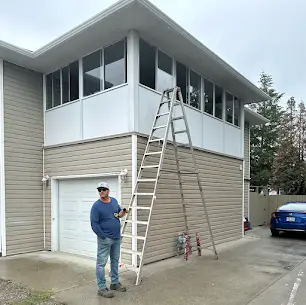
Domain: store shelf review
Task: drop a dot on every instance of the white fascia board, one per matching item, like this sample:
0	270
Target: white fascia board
254	118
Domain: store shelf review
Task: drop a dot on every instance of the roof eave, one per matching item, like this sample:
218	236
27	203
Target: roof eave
262	95
254	118
256	96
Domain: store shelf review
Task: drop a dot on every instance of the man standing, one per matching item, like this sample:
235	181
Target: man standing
105	222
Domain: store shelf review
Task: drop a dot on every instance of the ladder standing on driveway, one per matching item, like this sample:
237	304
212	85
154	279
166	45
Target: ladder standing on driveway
169	98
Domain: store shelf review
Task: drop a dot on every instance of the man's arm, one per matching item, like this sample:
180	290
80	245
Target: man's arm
120	210
94	220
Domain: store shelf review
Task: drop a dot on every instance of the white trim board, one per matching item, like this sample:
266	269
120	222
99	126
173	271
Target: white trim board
2	169
134	215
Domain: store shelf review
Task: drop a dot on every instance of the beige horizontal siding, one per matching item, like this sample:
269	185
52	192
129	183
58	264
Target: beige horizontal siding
23	139
222	184
103	156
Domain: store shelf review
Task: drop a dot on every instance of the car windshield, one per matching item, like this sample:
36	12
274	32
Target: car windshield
293	206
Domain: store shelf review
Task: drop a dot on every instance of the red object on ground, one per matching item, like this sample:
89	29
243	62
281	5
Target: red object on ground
245	224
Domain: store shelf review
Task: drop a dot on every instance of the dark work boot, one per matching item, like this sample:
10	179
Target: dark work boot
104	292
117	287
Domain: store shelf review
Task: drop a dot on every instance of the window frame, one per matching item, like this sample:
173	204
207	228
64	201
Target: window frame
125	62
157	50
81	73
200	89
239	111
202	84
233	100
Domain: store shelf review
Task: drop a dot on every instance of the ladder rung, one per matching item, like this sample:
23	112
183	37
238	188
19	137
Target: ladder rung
156	140
163	114
133	236
180	131
153	153
150	166
130	251
159	127
140	208
181	172
137	221
130	268
144	194
146	180
164	102
178	118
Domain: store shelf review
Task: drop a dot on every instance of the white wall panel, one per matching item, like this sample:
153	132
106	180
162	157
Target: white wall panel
232	141
106	113
100	115
206	132
63	124
213	134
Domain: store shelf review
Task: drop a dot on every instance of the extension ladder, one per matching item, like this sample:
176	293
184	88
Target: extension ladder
169	98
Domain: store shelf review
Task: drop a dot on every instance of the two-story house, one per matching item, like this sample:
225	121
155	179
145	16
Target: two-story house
78	111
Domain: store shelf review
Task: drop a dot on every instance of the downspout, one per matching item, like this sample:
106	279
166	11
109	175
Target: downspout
44	196
43	158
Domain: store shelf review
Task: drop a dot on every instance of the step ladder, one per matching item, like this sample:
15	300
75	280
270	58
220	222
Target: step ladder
169	98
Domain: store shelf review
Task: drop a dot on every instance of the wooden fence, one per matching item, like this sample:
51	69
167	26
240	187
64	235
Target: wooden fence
262	205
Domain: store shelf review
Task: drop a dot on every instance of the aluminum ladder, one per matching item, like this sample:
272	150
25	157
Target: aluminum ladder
169	98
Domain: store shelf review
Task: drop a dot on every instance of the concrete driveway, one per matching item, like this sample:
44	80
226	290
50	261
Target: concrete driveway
255	270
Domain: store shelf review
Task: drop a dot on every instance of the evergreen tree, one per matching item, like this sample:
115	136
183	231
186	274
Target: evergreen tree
289	165
264	138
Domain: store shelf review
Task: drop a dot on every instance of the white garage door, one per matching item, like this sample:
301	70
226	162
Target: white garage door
76	197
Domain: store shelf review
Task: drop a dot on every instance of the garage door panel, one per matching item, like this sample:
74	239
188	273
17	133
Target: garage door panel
76	197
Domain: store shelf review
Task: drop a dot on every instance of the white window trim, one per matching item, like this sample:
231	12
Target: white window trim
2	167
233	100
102	69
134	213
81	84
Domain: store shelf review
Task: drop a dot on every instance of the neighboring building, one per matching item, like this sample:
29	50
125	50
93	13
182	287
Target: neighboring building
78	111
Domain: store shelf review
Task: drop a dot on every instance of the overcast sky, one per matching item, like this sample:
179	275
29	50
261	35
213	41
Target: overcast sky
252	35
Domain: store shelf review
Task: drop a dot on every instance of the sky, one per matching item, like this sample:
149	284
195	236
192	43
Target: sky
251	35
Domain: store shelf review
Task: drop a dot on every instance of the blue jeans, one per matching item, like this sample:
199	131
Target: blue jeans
107	247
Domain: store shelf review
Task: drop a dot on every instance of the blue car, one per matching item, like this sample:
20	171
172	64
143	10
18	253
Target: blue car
291	216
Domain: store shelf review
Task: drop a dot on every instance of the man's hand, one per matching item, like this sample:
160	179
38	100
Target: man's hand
121	213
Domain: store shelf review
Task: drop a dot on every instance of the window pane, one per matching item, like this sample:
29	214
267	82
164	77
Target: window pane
181	79
236	111
229	107
164	72
208	97
74	81
49	91
114	65
146	64
164	81
92	72
195	90
56	88
218	102
65	84
164	62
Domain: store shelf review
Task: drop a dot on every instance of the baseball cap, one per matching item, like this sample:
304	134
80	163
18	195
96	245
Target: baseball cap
103	185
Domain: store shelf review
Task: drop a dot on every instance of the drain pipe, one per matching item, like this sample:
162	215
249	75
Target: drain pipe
44	180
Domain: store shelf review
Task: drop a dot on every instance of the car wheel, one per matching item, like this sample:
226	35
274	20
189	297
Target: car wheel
274	232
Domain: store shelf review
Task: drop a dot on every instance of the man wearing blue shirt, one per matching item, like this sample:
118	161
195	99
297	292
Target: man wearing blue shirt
105	222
